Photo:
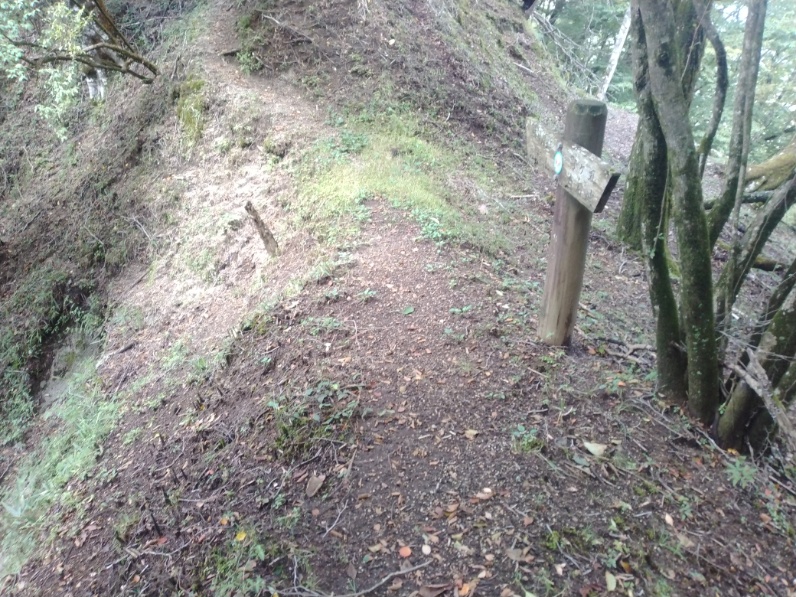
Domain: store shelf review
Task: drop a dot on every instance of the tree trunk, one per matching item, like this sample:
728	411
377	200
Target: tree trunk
775	353
628	225
774	171
671	105
741	120
722	81
689	37
646	186
619	45
754	240
774	304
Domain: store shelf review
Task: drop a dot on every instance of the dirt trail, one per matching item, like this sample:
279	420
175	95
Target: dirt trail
393	421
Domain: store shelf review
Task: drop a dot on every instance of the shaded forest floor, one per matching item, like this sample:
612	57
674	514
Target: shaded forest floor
368	412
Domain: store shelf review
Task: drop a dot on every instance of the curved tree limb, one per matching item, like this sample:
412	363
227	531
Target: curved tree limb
722	80
741	121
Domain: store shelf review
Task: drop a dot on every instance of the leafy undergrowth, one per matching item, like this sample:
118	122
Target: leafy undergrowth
367	413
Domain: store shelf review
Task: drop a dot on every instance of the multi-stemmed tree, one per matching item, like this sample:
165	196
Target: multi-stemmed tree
668	41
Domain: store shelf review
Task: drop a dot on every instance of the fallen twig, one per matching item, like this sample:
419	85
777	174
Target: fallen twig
336	520
305	592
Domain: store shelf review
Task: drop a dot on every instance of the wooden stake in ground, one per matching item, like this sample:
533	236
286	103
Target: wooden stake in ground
566	258
268	239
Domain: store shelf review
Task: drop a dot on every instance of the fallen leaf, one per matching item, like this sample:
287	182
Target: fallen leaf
405	551
314	484
375	548
610	581
685	541
669	520
596	449
433	590
560	569
515	555
224	521
351	571
485	494
470	434
409	310
464	590
240	535
452	507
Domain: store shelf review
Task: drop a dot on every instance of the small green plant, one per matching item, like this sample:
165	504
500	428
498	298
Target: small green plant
291	519
553	540
686	510
740	472
176	356
333	295
321	325
526	440
461	310
366	295
553	357
191	108
131	436
234	567
453	336
249	62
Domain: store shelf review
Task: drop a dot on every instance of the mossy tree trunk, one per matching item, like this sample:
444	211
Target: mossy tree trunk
647	184
774	171
665	58
775	354
722	82
690	36
741	120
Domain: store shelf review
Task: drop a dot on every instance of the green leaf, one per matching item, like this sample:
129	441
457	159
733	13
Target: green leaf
409	310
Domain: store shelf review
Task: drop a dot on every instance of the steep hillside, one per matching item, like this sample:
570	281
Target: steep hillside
364	412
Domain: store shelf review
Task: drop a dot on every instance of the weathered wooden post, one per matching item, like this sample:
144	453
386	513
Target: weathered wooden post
584	184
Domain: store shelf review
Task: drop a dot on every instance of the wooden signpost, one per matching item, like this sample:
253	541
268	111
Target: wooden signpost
584	184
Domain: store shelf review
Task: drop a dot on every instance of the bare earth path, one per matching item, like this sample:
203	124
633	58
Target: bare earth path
390	421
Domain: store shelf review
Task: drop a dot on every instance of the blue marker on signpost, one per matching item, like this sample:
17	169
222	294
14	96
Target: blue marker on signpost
558	160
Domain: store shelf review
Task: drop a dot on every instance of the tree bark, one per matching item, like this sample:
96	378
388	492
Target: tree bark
775	353
774	304
774	171
752	244
628	225
689	36
646	188
741	123
671	105
722	80
619	45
